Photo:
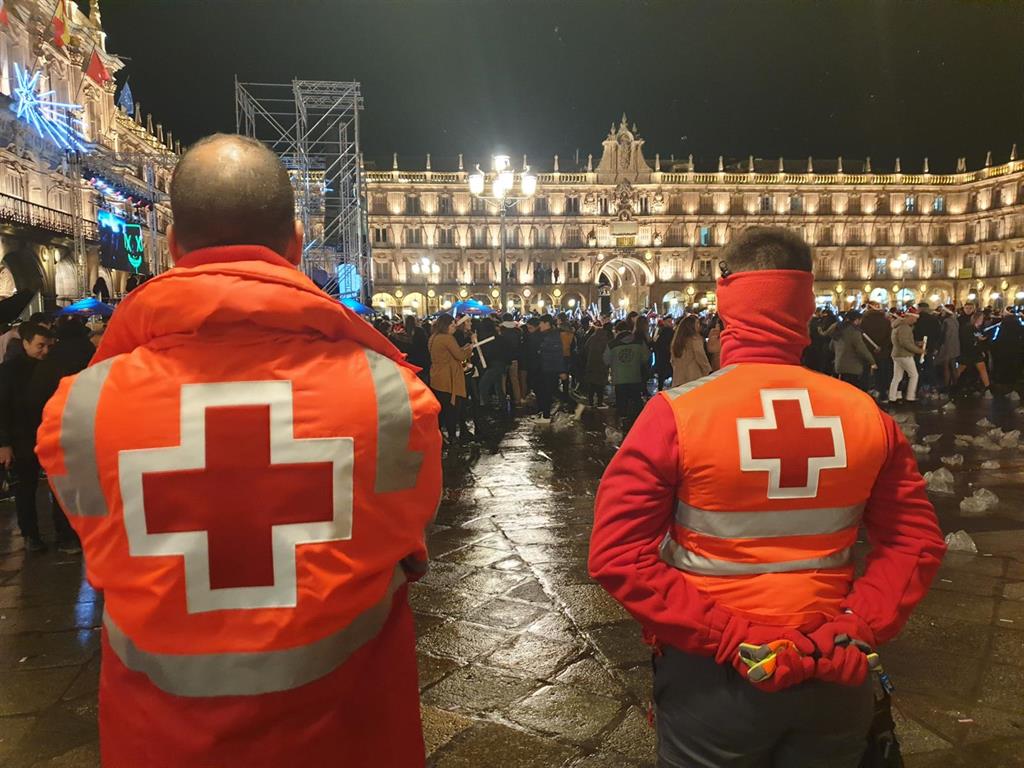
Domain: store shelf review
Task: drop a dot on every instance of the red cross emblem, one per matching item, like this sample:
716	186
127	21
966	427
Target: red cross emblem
237	495
791	444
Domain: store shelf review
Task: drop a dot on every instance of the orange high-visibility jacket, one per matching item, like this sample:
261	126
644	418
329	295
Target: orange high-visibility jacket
778	465
251	469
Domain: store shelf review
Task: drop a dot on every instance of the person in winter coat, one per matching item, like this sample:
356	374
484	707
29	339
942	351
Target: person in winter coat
628	358
904	356
971	351
494	359
663	352
1007	348
551	366
530	362
853	359
512	338
251	468
419	354
877	327
726	518
928	327
950	350
689	360
714	345
596	369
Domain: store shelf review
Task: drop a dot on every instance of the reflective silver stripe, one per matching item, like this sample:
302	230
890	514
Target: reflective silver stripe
253	673
397	466
763	525
682	389
79	491
685	560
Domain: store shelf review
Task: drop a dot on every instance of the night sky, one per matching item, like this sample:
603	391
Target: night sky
762	77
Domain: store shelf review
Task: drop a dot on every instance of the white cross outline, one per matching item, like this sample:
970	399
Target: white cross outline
191	455
774	466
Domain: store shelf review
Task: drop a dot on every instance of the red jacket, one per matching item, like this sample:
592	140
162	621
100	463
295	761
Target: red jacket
251	468
638	494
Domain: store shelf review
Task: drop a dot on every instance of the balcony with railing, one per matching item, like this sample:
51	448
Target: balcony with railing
18	211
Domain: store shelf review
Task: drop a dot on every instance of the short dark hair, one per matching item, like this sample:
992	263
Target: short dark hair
761	248
547	319
243	200
39	318
28	331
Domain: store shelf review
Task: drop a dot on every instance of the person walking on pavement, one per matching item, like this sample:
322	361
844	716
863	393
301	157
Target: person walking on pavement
628	358
728	517
853	358
596	371
876	326
251	468
447	358
950	350
972	354
550	366
689	360
19	421
904	356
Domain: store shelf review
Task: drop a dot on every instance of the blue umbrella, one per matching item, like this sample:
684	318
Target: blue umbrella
88	307
357	307
471	307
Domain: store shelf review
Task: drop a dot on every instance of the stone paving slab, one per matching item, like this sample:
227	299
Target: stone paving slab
522	656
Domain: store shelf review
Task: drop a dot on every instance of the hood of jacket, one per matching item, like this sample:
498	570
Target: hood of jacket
233	290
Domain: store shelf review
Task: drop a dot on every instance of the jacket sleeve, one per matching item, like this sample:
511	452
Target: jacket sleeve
6	407
906	542
633	512
862	349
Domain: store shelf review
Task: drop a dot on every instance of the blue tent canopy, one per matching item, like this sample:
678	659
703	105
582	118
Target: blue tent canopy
356	306
471	307
88	307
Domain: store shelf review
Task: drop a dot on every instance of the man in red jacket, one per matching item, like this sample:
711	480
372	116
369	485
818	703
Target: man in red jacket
251	468
729	516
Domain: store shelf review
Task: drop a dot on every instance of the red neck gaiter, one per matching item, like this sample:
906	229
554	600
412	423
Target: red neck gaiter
766	316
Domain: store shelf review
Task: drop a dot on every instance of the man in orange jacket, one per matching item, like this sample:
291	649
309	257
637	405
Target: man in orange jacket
250	468
729	516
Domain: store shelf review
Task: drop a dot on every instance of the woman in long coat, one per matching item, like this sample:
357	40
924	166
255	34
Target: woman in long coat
446	375
689	360
595	375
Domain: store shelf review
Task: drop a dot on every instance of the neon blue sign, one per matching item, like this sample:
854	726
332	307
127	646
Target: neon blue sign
131	243
53	120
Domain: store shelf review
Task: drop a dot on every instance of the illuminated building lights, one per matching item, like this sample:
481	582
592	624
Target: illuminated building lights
51	119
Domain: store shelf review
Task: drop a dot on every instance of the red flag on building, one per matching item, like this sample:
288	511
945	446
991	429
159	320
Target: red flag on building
95	70
5	18
61	25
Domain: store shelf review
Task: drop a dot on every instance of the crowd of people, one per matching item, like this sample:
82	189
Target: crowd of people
489	365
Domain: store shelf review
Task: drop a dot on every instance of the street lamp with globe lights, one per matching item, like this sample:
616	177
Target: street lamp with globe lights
903	262
426	267
502	195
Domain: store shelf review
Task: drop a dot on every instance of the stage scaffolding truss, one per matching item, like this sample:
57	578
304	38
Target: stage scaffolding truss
313	126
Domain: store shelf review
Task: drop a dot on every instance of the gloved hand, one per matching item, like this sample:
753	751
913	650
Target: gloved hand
791	668
738	630
824	637
846	665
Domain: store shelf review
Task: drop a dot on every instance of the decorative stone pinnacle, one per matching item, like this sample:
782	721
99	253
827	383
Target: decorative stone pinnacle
839	166
782	167
590	163
810	164
1013	152
556	163
394	161
460	161
926	166
867	164
721	164
428	161
657	162
988	158
899	169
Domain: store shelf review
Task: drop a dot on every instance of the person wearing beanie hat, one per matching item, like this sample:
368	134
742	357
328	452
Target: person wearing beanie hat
727	519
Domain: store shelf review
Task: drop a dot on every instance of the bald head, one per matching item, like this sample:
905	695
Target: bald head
231	190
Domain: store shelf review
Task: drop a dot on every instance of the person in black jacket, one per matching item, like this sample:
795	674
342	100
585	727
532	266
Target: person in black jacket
19	421
1007	348
550	365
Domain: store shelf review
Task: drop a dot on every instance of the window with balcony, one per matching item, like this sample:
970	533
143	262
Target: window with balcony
412	205
1018	262
602	206
481	272
705	269
479	237
572	270
573	237
540	206
512	237
766	203
938	267
449	272
853	206
645	205
379	204
881	235
413	236
445	237
444	205
881	267
825	235
854	235
939	204
796	204
910	204
572	205
382	271
911	236
675	235
380	235
478	207
705	237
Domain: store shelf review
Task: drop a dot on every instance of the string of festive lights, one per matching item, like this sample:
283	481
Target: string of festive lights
53	120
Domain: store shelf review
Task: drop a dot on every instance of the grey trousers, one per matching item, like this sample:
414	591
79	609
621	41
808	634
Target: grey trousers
710	717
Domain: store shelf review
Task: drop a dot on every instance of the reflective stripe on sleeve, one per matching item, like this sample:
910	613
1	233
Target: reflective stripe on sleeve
686	560
79	490
398	467
257	672
768	524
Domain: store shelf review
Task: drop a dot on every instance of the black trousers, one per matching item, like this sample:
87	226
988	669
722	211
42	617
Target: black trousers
546	387
451	413
857	379
629	402
709	717
26	488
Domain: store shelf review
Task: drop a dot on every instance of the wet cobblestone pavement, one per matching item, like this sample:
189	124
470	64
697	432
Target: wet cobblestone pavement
523	657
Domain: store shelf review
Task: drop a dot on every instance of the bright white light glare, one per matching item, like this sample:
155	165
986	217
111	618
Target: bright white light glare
850	299
508	179
622	270
476	183
529	184
572	302
501	162
972	296
498	189
996	294
446	305
934	297
435	268
415	269
540	303
1020	294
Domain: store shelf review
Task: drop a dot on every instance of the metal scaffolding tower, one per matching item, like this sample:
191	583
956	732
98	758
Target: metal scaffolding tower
313	126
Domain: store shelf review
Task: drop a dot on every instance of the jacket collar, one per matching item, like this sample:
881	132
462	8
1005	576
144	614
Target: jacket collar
766	316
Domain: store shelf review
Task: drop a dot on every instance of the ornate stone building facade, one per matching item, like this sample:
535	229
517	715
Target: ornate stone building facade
50	198
630	233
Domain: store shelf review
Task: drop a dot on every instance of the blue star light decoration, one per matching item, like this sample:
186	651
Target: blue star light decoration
52	120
